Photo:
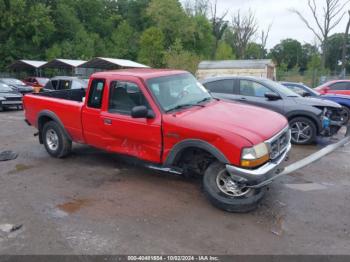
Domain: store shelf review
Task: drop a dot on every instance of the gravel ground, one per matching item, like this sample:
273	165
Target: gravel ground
97	203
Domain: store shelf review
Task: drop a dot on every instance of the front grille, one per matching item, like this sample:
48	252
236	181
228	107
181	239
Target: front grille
279	143
13	98
334	114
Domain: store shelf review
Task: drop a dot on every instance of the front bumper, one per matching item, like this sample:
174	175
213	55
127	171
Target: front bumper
261	174
269	172
9	103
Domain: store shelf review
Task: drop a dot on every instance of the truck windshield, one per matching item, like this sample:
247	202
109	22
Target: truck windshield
178	91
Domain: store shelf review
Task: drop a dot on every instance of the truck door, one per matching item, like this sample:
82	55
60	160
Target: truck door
252	92
91	114
139	137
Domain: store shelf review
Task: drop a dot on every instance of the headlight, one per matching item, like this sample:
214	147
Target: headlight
2	98
255	156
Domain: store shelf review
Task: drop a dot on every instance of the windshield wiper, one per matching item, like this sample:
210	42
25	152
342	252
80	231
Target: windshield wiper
204	100
182	106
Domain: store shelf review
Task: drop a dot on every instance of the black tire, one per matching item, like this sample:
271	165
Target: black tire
313	131
64	144
221	200
346	115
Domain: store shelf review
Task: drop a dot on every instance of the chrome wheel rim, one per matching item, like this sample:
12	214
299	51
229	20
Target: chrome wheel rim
228	186
52	139
301	132
345	116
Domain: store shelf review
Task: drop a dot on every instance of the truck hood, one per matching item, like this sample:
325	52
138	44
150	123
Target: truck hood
252	123
310	101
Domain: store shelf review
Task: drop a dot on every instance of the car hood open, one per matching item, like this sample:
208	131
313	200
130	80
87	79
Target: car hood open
252	123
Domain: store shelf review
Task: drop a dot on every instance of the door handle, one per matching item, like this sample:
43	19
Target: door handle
242	98
107	121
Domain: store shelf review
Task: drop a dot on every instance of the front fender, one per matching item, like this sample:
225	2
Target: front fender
196	143
315	116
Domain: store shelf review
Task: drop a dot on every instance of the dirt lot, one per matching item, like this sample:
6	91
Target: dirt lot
96	203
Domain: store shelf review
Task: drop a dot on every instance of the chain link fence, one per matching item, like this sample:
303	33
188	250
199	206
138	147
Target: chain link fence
312	78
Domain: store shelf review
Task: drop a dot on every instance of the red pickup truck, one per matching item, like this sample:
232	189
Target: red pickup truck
167	119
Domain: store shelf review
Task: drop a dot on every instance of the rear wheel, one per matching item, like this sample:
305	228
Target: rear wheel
226	194
303	131
56	142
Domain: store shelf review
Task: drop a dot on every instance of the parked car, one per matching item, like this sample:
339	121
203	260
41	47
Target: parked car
169	122
36	82
306	91
17	85
65	82
341	87
9	97
308	117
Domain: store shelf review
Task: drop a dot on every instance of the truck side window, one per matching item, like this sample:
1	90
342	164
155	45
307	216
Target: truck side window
96	93
124	96
220	86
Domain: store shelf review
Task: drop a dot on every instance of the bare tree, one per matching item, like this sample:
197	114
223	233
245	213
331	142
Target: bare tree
219	25
263	38
196	7
345	47
244	29
325	21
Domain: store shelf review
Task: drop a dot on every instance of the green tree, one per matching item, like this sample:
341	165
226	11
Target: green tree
151	47
202	40
123	43
288	52
224	51
24	30
254	51
178	58
334	54
171	19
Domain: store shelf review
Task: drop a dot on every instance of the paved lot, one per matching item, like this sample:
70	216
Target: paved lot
95	203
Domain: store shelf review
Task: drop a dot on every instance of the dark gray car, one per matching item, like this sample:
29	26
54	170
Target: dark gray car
17	85
308	117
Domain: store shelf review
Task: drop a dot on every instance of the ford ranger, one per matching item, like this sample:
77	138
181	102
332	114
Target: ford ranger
170	122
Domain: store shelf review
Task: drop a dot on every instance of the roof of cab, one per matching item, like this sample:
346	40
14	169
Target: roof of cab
144	73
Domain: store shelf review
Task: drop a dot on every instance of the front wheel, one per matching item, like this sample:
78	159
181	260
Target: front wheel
303	131
345	115
224	193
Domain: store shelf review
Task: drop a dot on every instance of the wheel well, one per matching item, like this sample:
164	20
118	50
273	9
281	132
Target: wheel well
194	160
310	118
41	122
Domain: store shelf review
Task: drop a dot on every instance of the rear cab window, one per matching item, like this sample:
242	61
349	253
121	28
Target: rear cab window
96	93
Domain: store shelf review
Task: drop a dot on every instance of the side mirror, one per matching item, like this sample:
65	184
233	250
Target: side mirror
326	89
141	112
272	96
306	94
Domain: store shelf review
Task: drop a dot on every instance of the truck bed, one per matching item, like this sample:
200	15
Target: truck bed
71	94
65	104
